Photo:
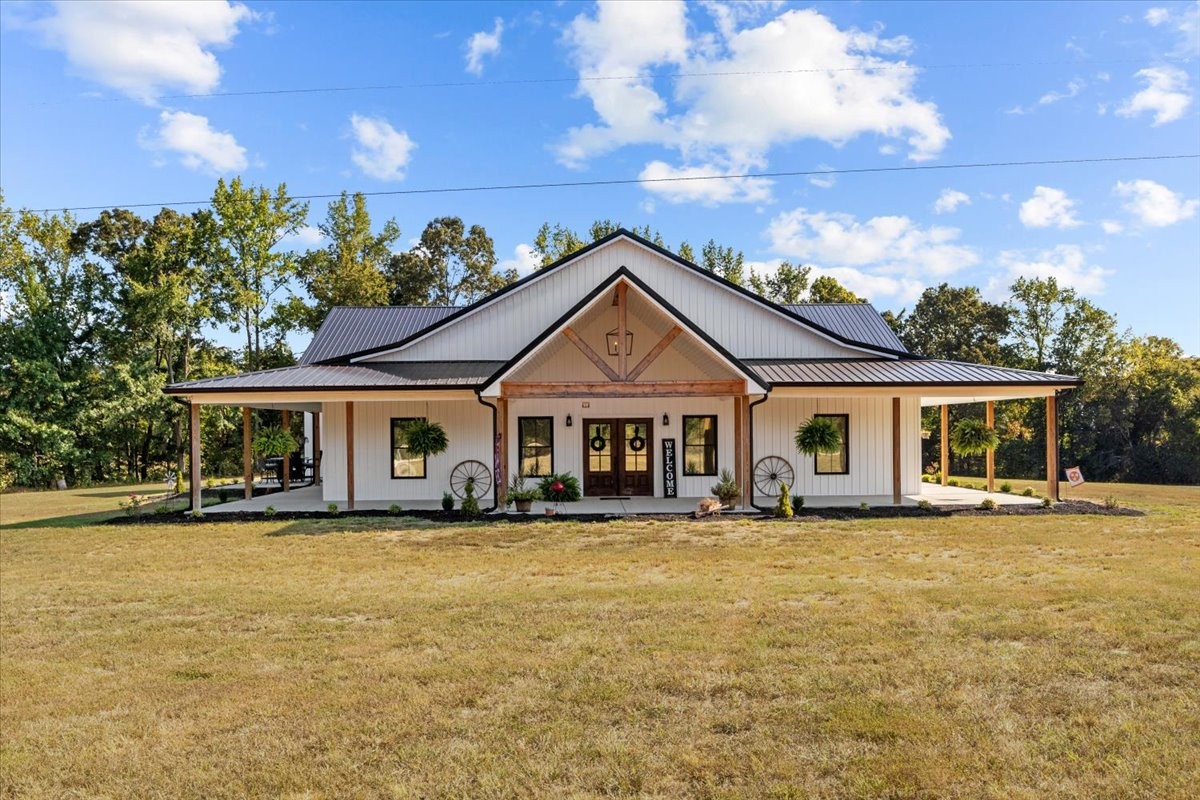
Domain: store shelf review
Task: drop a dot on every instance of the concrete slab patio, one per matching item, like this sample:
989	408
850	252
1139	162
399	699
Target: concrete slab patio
308	498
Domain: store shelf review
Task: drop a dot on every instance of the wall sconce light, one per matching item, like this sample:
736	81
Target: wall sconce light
610	339
666	420
568	420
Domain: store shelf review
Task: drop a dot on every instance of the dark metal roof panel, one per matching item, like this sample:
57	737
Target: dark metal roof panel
395	375
903	372
859	322
350	329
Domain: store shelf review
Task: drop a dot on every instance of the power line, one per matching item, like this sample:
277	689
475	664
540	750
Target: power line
884	67
678	179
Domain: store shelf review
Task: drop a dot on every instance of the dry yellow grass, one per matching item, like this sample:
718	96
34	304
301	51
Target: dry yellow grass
972	657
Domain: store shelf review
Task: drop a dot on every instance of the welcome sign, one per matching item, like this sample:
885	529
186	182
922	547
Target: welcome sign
670	489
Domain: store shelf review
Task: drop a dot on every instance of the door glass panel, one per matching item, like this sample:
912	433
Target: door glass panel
636	447
600	447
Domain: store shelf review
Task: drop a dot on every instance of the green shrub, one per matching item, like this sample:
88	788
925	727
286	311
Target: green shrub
447	501
568	491
925	478
223	495
470	506
1110	501
197	514
1006	487
783	509
972	437
952	482
988	504
864	507
797	501
925	505
1027	492
1047	502
332	509
394	509
269	511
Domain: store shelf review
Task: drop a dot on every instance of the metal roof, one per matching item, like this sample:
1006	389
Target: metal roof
350	329
392	375
902	372
859	322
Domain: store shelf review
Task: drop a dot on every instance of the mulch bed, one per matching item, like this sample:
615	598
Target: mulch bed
1072	507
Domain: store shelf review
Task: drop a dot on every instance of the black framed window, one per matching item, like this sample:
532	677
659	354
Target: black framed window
405	464
835	463
536	443
700	445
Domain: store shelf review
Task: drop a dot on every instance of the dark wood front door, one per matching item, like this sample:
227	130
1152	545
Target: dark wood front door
618	457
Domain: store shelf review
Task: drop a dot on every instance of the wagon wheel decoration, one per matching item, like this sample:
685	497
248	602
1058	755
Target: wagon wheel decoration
769	473
470	473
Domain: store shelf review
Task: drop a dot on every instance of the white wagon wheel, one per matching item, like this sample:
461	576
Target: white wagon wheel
474	473
769	473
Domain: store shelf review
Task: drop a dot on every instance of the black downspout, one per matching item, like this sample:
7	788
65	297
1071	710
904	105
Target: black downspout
750	409
495	478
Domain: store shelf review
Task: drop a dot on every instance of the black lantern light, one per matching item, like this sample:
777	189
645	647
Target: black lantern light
611	339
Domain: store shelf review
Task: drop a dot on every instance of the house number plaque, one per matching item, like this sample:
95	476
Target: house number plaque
670	488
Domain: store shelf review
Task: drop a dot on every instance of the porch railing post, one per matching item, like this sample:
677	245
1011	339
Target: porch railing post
1052	446
194	461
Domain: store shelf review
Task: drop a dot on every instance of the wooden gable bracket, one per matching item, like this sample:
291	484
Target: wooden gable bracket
592	355
655	352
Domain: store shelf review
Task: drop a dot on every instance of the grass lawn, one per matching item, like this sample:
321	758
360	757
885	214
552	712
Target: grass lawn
965	657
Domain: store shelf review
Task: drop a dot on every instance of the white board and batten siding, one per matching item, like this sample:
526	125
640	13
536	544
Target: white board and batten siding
870	451
468	426
500	330
568	442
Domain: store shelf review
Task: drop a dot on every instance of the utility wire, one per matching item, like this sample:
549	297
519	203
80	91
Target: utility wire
882	67
678	179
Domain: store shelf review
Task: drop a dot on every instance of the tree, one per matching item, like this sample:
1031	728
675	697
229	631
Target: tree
1038	307
723	261
826	289
351	269
555	243
957	324
686	253
788	285
240	233
449	266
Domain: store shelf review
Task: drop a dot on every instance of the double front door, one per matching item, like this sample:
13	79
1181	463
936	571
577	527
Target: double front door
618	457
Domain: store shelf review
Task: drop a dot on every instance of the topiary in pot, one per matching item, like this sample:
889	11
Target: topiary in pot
425	438
818	435
972	437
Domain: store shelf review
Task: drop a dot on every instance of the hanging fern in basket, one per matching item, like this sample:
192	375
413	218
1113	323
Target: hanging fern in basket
274	442
972	437
819	435
425	438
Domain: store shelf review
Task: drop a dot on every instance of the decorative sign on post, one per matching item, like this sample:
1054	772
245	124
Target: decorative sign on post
497	479
1074	476
670	488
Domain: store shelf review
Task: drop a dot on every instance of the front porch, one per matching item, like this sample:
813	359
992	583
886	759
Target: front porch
308	499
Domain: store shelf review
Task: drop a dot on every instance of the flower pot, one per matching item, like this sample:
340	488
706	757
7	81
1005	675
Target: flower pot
523	506
549	512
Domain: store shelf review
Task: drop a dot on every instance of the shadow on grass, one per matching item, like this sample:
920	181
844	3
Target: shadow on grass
349	524
65	521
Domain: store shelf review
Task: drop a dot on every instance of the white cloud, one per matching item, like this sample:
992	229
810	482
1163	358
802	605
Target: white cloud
525	259
1066	263
685	185
1157	16
949	201
1184	22
862	283
199	146
1154	204
812	80
881	256
1111	226
823	181
382	152
481	44
1048	208
145	49
1074	87
1166	94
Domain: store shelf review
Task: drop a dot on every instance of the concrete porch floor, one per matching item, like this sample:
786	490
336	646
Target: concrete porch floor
308	498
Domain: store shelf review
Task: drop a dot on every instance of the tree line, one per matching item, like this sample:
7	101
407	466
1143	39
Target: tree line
97	316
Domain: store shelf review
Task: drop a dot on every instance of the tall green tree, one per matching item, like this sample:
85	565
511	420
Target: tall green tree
826	289
241	232
724	261
788	285
450	265
957	324
351	270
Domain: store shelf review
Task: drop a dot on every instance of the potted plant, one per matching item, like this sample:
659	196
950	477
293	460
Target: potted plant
521	495
726	489
559	489
425	438
972	437
274	442
818	435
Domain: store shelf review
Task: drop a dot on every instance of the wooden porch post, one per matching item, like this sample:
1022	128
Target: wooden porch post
739	445
622	358
1052	446
990	415
194	463
247	457
350	456
945	464
502	432
896	464
287	457
317	447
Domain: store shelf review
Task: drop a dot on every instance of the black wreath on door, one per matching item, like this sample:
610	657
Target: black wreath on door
599	443
637	444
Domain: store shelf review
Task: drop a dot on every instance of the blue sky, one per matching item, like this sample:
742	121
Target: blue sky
91	113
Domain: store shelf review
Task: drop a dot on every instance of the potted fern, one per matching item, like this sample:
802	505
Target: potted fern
819	435
425	438
972	437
